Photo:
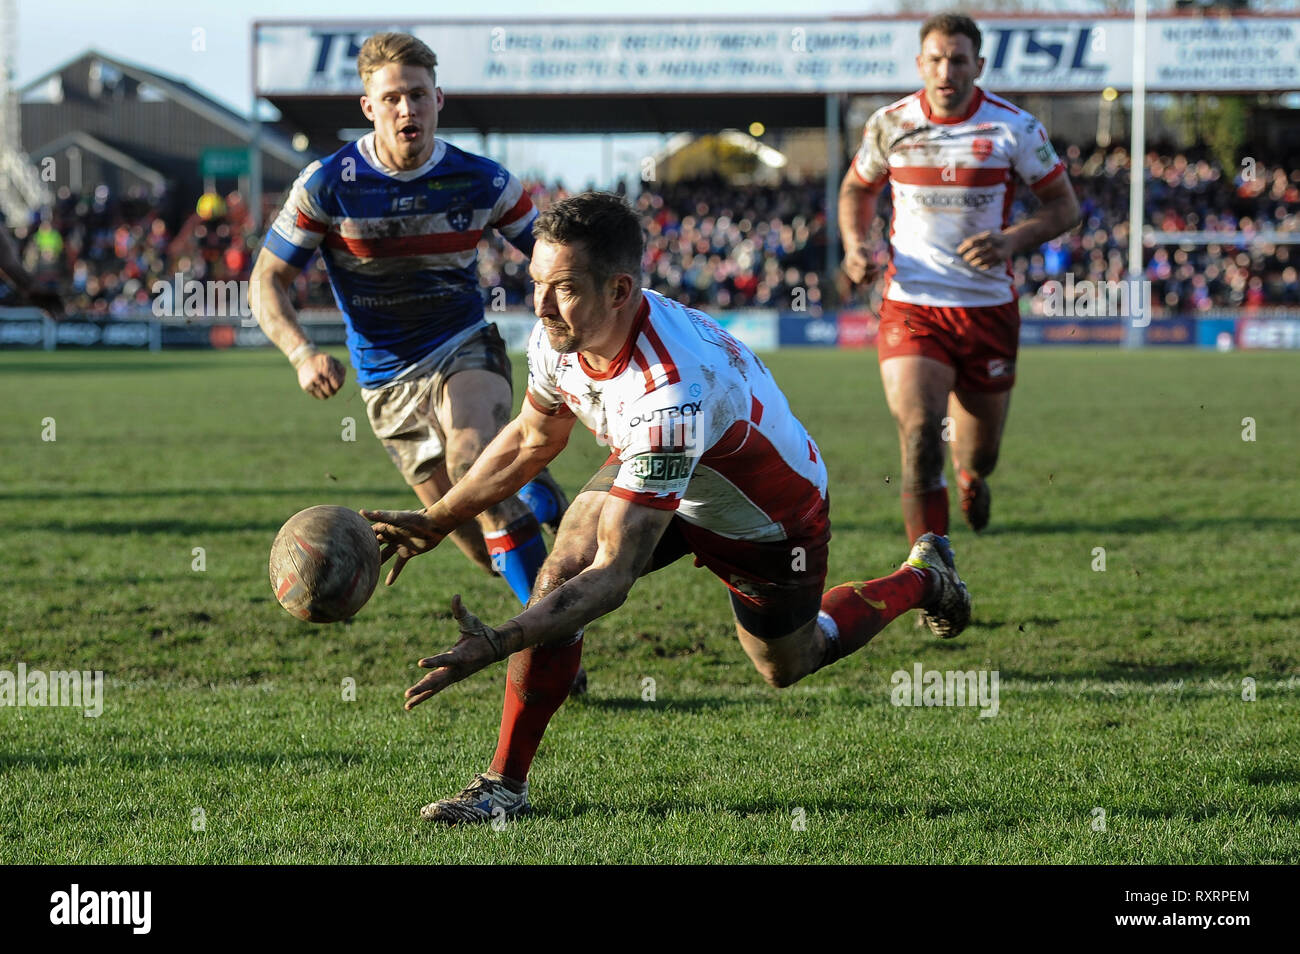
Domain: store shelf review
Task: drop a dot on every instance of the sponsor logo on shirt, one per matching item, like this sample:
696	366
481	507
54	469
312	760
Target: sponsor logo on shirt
662	469
409	203
950	199
662	413
450	183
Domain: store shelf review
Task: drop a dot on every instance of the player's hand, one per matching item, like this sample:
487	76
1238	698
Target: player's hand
480	645
986	249
321	375
859	266
403	534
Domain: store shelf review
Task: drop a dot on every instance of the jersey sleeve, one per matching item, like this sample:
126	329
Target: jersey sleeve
1033	158
543	391
667	441
871	163
513	214
300	226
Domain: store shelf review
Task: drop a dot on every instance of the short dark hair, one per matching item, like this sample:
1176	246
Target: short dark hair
607	227
952	24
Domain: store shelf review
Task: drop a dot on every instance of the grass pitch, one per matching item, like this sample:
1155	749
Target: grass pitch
1122	734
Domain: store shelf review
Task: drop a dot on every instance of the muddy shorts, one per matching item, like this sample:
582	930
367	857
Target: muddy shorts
980	343
403	414
775	585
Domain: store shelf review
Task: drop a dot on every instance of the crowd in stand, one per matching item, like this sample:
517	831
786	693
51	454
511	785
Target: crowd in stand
717	245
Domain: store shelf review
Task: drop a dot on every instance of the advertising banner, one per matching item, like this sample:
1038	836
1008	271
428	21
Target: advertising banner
796	331
1054	331
857	329
539	57
1272	333
754	327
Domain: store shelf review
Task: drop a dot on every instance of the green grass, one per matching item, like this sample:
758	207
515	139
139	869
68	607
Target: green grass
1120	690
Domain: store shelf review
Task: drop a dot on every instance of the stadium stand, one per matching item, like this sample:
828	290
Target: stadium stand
720	245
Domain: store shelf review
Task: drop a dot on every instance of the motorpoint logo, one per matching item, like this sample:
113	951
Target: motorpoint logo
952	199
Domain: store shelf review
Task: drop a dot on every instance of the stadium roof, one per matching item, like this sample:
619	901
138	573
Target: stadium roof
322	117
48	88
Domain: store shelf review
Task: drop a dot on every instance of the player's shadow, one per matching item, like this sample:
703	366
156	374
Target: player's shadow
1194	674
151	760
637	704
219	493
1144	524
991	813
170	528
83	366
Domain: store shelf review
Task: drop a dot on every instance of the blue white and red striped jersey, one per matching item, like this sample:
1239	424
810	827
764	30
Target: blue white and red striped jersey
400	247
696	422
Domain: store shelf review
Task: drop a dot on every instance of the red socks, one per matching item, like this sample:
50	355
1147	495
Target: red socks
926	512
861	610
537	683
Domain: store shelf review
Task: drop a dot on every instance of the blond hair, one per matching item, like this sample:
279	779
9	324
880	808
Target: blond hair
400	48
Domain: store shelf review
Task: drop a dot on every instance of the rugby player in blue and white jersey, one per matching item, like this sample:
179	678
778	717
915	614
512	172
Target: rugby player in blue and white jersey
397	217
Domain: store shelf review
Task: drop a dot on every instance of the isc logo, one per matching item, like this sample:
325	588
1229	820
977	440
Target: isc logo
409	203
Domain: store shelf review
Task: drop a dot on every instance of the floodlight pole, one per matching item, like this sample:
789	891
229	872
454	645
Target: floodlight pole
834	157
1137	161
255	149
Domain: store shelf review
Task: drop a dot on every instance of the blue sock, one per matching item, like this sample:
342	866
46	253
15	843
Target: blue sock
540	500
517	554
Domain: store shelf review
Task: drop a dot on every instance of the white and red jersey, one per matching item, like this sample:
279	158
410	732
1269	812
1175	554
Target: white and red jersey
951	178
696	421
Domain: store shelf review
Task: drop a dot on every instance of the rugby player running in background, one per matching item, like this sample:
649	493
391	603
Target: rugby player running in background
949	322
397	217
706	459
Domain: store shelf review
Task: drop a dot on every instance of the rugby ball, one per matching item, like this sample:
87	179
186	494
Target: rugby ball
324	564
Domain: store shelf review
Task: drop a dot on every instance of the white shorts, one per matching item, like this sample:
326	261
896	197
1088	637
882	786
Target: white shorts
403	414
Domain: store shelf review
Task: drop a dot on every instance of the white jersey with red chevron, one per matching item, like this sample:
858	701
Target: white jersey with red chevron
951	178
696	421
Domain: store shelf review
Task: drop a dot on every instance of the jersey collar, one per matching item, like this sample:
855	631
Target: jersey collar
976	99
366	146
619	364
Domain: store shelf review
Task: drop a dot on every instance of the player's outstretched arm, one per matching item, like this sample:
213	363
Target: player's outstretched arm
626	535
516	455
319	374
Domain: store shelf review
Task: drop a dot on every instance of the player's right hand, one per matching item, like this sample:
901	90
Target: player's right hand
479	646
321	375
403	534
859	267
